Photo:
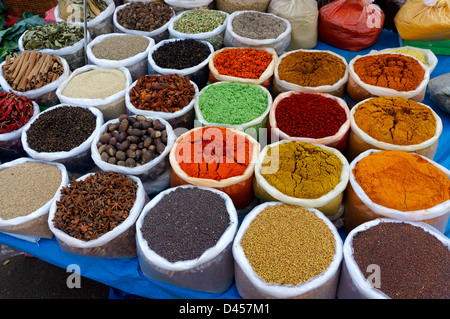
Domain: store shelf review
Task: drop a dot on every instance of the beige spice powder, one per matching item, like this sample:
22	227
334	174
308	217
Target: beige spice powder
288	245
26	187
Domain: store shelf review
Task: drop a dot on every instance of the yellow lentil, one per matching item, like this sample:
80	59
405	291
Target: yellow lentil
415	53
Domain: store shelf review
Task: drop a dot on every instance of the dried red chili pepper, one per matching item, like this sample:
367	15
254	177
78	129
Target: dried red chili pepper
242	62
15	111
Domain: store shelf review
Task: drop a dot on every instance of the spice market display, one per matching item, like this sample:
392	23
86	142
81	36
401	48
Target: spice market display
231	149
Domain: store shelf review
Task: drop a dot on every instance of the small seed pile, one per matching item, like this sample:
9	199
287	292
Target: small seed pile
199	21
162	93
145	16
132	141
120	47
92	207
185	223
181	54
31	70
258	25
61	129
288	245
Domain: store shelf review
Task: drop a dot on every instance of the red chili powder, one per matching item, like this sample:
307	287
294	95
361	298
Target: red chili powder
242	62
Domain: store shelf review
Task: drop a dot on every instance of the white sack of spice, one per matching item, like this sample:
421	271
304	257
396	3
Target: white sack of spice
133	58
181	5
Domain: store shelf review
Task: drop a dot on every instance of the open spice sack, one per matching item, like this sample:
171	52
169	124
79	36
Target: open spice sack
183	5
138	146
216	157
28	189
63	134
397	185
373	261
167	96
394	123
294	173
316	71
12	122
34	75
117	50
109	203
100	20
99	87
184	238
310	117
253	29
243	65
401	75
271	240
149	18
439	91
208	25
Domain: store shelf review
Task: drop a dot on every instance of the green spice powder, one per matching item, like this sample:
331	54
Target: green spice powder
232	103
199	21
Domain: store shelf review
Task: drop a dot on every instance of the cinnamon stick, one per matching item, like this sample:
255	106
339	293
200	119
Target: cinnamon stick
24	80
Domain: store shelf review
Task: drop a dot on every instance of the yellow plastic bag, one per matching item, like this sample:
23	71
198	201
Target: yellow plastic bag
424	20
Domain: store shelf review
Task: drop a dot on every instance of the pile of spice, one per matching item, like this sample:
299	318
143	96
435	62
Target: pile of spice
303	170
402	181
309	115
73	10
415	53
181	54
90	208
247	63
61	129
258	25
395	120
95	84
199	21
232	103
185	223
311	68
27	187
53	36
31	70
213	153
15	112
288	245
393	71
414	264
162	93
120	47
132	141
145	16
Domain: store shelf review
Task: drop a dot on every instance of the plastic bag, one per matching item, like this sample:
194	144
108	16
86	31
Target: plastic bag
45	95
359	208
182	5
101	24
215	37
338	141
304	18
360	141
183	118
252	286
117	243
212	272
137	65
35	223
231	6
424	20
329	204
350	24
148	172
76	160
111	107
439	91
11	143
234	40
358	90
198	74
157	35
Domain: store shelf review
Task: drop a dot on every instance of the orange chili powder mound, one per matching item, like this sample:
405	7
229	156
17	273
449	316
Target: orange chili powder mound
213	153
242	63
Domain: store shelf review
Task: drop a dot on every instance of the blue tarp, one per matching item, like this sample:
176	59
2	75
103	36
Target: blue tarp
123	275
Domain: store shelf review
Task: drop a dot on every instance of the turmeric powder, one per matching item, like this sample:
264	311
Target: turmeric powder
402	181
395	120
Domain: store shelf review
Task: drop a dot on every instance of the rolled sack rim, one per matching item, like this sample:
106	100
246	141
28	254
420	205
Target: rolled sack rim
285	291
436	211
394	147
206	182
305	202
